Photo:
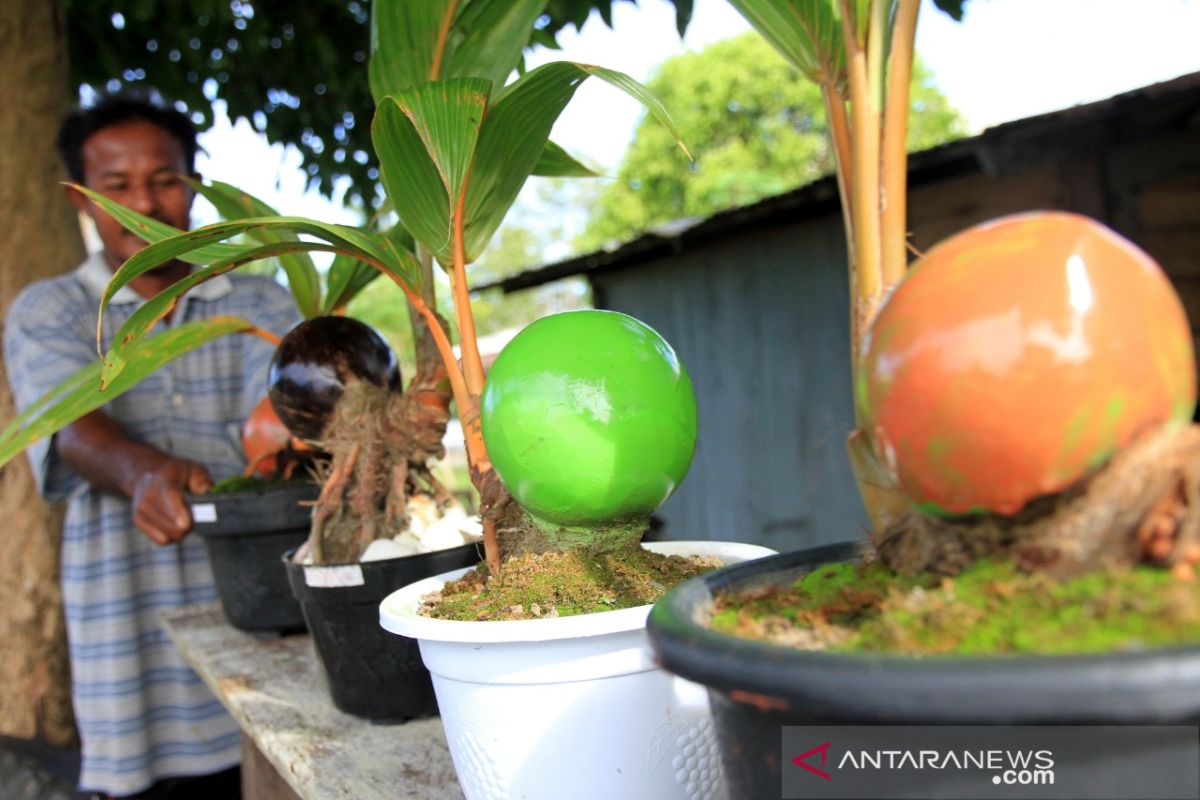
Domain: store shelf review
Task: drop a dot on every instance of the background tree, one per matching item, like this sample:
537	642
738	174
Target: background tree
295	70
40	237
755	126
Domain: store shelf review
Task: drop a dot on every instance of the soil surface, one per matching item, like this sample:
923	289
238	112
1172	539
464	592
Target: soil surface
564	584
988	608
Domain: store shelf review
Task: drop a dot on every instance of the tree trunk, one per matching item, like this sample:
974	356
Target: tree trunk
40	238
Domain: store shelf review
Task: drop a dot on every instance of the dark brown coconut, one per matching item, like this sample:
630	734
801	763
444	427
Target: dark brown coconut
315	362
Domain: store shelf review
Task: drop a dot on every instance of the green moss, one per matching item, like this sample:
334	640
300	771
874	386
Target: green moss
565	584
989	608
243	483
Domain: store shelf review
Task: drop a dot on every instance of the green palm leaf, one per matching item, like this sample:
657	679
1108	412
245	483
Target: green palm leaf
515	134
426	138
81	393
152	230
404	38
410	43
302	277
348	275
384	253
805	32
388	254
556	162
131	333
377	250
490	37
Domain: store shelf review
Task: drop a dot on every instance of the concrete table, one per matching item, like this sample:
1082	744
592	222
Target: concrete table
274	688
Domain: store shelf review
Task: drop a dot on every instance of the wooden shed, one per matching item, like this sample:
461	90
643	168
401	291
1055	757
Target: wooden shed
755	299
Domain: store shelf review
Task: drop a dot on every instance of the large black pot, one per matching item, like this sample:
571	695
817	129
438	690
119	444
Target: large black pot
755	688
371	673
244	533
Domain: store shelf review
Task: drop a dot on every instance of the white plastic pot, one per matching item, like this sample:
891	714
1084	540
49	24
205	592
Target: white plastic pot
566	707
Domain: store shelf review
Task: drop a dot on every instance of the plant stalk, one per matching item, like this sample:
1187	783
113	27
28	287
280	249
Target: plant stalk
864	193
895	141
839	128
265	335
470	375
458	386
467	339
439	47
468	415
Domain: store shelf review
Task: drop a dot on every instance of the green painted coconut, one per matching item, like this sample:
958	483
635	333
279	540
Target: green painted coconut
589	419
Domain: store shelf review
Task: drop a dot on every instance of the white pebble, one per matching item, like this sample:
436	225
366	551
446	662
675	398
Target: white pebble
384	548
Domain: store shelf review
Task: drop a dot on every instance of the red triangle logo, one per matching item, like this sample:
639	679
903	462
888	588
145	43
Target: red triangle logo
801	760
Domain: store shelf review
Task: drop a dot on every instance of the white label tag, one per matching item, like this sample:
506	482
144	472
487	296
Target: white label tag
331	577
204	512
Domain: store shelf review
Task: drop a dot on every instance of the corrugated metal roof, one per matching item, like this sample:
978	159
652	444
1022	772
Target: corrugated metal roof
991	152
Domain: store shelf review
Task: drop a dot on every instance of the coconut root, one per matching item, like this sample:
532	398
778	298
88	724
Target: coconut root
1143	506
376	466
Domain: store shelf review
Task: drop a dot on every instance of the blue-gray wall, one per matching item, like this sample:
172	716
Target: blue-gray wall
760	320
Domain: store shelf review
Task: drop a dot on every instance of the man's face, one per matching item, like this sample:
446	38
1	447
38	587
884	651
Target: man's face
138	165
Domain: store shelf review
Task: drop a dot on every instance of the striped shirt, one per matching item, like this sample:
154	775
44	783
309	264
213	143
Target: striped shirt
143	714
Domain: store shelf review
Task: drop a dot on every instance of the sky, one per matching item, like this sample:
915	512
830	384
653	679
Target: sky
1007	60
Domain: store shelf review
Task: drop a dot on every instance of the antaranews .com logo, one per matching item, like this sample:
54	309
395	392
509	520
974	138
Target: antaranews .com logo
864	762
1010	767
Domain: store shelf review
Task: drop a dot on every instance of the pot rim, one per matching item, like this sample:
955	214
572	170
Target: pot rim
398	611
689	648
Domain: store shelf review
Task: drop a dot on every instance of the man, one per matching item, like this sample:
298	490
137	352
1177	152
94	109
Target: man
149	727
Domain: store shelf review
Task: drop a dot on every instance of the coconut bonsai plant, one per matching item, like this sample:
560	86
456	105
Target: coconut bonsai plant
248	521
1023	394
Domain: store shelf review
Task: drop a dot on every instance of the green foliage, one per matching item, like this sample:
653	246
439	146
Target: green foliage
952	7
756	127
431	137
387	254
346	277
514	248
426	138
485	41
302	278
558	163
560	13
807	33
80	394
295	71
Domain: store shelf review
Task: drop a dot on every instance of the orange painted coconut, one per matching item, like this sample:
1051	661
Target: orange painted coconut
1017	356
264	436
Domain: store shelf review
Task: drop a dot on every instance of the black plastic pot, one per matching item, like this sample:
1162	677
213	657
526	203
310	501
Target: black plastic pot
755	688
371	673
244	533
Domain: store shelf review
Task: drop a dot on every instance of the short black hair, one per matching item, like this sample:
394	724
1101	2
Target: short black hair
115	109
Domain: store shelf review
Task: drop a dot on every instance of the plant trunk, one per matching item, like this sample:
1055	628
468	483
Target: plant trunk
1143	506
40	239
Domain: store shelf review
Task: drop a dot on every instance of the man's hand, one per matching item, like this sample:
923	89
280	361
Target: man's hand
158	507
154	481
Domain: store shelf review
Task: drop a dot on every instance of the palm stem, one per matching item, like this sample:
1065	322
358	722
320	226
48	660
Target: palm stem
895	136
265	335
864	193
467	341
439	47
